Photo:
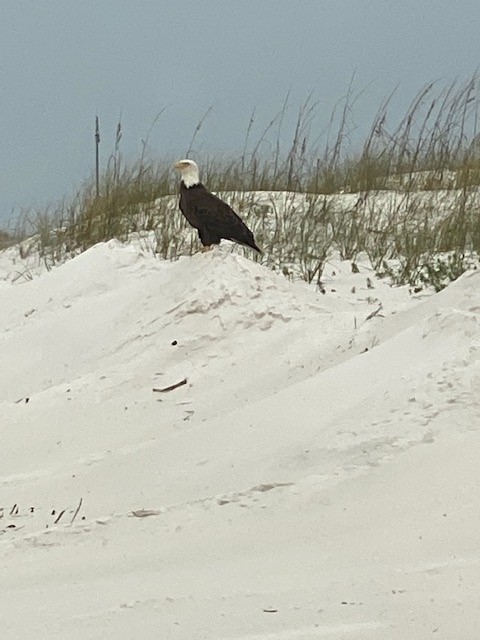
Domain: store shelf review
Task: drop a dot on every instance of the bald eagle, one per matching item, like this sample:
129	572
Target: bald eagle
212	217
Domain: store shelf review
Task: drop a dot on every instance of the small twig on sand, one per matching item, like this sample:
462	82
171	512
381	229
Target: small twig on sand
77	510
374	313
171	387
57	519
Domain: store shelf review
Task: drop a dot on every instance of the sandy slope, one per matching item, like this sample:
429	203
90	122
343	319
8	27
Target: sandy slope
300	486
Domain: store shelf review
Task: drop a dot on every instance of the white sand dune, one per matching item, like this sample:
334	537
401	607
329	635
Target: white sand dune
316	476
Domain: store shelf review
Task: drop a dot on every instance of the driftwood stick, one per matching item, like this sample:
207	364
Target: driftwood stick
171	387
144	513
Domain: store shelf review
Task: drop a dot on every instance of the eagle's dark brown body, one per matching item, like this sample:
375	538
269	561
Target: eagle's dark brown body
213	218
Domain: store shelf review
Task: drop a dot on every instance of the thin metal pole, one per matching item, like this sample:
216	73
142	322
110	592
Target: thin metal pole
97	167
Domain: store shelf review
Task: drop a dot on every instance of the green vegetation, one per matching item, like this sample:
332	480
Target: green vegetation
409	198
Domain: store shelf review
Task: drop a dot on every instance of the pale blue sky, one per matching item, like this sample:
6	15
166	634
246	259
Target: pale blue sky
62	62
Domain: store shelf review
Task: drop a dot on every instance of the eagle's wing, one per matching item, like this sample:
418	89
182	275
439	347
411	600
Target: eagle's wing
221	220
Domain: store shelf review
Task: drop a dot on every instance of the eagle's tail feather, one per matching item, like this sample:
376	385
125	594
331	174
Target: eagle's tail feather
250	243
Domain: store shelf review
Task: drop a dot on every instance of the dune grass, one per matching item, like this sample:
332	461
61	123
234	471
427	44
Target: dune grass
6	239
408	196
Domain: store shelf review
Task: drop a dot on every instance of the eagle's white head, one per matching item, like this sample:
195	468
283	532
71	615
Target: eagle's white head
188	171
